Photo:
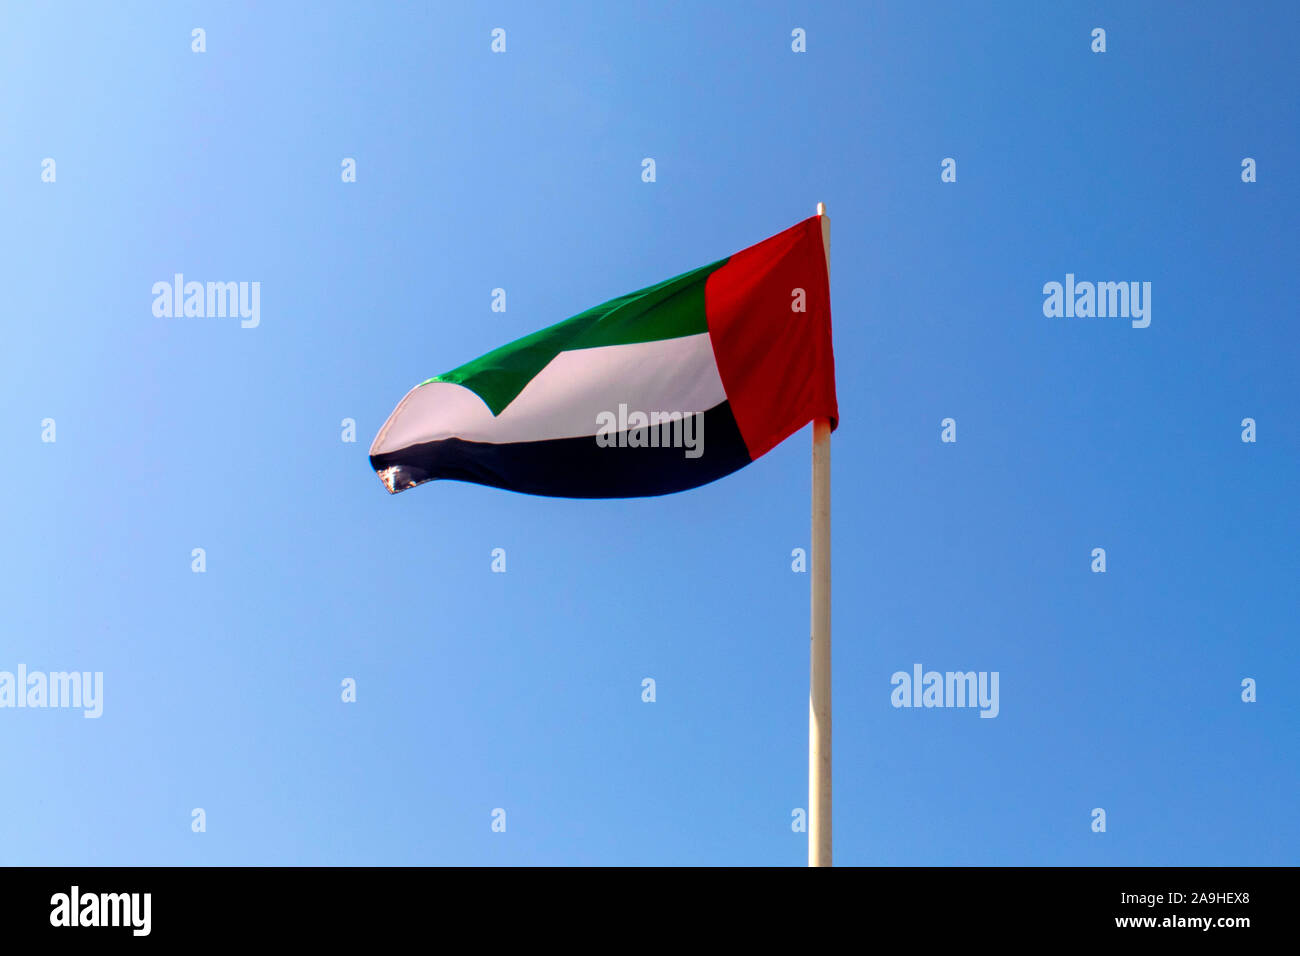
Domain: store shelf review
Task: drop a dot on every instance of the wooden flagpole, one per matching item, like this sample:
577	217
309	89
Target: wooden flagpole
819	695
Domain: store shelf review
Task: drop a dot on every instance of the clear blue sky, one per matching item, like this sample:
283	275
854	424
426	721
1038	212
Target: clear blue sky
523	690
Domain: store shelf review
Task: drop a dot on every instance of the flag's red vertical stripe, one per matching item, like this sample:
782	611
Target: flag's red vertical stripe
776	364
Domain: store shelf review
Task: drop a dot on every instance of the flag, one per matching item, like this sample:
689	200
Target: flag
653	392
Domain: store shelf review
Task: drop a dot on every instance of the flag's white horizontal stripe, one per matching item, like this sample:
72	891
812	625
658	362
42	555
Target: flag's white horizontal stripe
563	400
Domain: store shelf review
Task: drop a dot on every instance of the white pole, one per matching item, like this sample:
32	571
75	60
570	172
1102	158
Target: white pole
819	696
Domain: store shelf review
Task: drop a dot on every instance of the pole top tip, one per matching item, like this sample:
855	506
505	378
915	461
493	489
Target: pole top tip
821	209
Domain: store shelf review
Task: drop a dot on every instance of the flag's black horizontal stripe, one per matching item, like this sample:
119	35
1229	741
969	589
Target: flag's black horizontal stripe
574	467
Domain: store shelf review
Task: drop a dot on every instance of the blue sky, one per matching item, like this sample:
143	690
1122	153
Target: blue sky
522	690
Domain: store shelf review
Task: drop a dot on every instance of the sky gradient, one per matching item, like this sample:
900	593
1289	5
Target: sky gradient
522	170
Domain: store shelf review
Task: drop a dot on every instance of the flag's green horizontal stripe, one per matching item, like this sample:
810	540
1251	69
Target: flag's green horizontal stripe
667	310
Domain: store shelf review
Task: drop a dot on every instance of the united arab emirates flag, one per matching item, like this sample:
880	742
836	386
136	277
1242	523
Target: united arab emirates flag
654	392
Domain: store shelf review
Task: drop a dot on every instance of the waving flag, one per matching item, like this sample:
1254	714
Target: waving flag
654	392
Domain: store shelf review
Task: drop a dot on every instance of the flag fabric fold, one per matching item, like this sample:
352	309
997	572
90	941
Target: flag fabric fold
653	392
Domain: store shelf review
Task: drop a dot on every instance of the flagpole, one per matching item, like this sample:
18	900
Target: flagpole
819	694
